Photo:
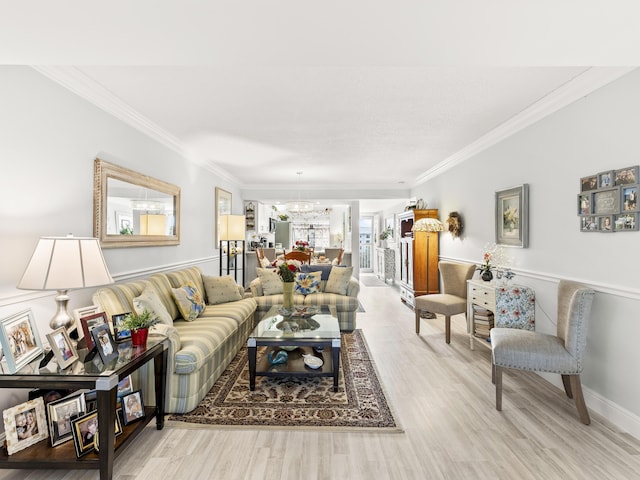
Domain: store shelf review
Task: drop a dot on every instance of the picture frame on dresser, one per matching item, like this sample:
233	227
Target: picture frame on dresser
20	340
512	216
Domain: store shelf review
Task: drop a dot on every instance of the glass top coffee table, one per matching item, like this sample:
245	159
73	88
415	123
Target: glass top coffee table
310	338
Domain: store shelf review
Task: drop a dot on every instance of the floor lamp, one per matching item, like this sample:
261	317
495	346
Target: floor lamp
232	231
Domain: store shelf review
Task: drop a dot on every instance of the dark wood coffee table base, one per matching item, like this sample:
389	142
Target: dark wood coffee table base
294	367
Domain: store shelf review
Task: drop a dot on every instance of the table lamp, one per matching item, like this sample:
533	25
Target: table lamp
62	263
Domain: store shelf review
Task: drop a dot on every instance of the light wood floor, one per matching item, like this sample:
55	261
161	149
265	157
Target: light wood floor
444	399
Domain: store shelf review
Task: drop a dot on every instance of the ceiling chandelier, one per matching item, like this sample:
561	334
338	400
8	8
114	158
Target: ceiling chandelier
299	205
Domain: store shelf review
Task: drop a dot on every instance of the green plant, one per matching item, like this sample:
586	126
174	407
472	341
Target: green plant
126	230
283	217
136	321
386	233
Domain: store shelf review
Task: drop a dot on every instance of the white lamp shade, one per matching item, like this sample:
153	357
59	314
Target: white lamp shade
63	263
232	227
428	225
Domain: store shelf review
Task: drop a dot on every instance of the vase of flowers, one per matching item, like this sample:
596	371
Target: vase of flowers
386	237
485	267
287	270
301	245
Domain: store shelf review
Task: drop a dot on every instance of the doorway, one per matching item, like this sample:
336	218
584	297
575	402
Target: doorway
366	243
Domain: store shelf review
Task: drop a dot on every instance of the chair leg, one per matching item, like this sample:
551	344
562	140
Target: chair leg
447	328
576	388
498	381
417	310
493	372
567	385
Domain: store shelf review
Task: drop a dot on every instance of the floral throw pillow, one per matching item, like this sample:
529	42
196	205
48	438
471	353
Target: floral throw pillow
308	282
189	301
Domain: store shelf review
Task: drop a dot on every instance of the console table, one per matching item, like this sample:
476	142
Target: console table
513	306
104	379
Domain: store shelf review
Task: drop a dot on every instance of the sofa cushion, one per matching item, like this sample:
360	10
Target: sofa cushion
237	311
324	269
150	300
199	343
338	281
189	301
308	283
220	289
271	282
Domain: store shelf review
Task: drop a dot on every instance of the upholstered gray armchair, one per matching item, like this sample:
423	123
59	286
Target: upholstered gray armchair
540	352
452	300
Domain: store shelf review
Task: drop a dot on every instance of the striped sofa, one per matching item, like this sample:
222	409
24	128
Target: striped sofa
346	305
199	351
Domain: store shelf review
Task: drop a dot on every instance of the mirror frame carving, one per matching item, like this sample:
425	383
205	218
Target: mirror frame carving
104	170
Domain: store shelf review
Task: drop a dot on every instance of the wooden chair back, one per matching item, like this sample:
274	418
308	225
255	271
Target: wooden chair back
304	257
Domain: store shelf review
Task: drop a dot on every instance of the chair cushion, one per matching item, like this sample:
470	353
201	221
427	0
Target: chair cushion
524	350
441	303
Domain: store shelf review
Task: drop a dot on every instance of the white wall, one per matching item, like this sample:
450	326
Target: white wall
49	139
595	134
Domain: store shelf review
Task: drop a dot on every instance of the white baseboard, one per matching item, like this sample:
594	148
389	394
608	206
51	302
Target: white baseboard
622	418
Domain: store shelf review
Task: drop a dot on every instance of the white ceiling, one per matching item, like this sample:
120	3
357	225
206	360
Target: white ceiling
357	95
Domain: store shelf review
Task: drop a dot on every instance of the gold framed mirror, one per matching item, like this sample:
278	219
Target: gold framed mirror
132	209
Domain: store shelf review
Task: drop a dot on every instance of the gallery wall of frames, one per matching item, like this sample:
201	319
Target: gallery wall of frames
608	201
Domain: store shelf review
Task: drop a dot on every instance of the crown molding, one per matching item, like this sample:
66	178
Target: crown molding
85	87
583	84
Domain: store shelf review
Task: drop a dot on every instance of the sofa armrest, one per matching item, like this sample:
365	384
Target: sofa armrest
354	288
171	333
256	287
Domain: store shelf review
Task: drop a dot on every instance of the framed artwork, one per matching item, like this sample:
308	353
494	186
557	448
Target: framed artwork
84	429
606	201
584	203
106	345
588	183
625	222
629	198
605	223
627	176
20	340
90	322
512	216
223	207
120	333
25	425
132	407
124	223
62	347
61	412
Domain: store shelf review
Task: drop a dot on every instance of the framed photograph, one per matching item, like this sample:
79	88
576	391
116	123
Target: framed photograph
606	202
78	313
20	340
91	400
625	222
25	425
132	407
120	333
605	223
106	345
627	176
584	203
89	323
512	216
588	183
84	429
60	413
606	179
62	347
125	386
629	198
223	207
588	224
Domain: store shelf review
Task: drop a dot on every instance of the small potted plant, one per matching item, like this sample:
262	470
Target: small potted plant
386	237
139	324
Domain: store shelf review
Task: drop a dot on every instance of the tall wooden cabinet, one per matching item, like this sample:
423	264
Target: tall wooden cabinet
418	257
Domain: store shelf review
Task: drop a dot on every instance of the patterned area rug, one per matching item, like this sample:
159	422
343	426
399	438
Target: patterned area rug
308	402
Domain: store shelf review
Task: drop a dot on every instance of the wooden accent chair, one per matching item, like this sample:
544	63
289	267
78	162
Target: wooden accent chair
453	300
268	253
332	253
304	257
541	352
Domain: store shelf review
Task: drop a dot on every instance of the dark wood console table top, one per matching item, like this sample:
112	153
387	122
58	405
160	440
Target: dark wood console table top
104	379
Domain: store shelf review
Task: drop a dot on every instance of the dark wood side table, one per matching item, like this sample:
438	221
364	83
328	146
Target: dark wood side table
104	379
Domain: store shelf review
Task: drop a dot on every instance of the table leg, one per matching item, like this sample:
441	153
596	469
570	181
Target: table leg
160	371
252	352
335	354
106	430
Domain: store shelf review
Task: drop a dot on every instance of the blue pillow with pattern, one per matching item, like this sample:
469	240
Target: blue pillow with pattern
308	282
